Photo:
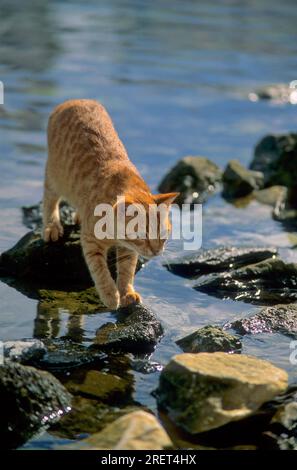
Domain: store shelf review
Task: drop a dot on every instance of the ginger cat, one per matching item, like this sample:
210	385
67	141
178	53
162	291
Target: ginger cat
88	165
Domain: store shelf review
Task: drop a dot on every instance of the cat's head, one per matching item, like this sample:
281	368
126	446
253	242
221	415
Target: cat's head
146	222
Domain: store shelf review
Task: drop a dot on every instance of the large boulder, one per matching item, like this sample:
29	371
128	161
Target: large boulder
195	178
239	181
136	329
269	282
30	399
276	157
218	260
138	430
274	319
204	391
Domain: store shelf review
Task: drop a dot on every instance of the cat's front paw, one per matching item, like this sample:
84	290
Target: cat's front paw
52	232
111	299
129	298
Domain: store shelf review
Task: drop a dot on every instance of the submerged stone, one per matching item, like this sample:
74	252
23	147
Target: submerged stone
195	178
138	430
218	259
88	416
275	319
25	350
31	399
271	281
204	391
100	385
209	339
137	329
239	181
63	354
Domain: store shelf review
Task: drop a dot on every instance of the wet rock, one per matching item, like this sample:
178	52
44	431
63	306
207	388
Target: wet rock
218	259
276	157
204	391
275	319
137	329
30	399
63	354
239	181
88	416
98	384
280	93
32	215
270	196
269	282
58	263
209	339
138	430
195	178
24	351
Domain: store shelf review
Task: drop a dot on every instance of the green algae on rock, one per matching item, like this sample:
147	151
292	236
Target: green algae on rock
209	339
204	391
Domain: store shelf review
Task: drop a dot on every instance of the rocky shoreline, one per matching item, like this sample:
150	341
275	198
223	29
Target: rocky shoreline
211	395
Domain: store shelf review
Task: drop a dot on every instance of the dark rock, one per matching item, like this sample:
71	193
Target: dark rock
276	157
239	182
61	262
136	330
25	350
276	319
31	399
209	339
195	178
269	282
32	215
218	259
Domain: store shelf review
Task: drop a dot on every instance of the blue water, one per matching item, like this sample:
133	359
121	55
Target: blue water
175	77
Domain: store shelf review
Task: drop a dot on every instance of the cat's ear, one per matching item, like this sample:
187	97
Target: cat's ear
167	199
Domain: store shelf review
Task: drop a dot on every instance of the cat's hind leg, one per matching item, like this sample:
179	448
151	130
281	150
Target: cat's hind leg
52	228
